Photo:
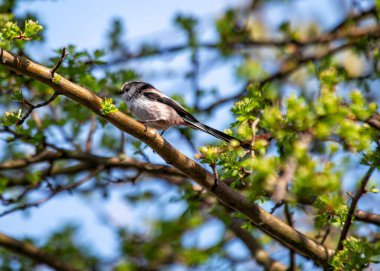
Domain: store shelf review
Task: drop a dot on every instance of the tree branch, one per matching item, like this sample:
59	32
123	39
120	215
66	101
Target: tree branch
289	170
32	107
31	251
90	161
374	121
266	222
325	38
287	68
58	64
254	246
351	211
292	255
355	18
367	217
53	193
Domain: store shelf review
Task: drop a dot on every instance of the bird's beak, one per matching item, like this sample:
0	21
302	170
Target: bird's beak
121	91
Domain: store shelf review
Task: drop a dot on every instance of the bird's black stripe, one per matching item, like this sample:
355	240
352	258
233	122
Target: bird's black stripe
216	133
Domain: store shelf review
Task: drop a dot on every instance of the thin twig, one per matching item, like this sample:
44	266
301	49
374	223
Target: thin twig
32	107
292	254
58	64
351	211
324	38
284	71
276	206
328	230
68	187
90	134
122	142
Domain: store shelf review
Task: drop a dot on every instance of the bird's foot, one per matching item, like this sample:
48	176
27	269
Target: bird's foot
144	123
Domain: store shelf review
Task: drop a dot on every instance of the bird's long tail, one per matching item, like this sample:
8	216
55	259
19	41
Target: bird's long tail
216	133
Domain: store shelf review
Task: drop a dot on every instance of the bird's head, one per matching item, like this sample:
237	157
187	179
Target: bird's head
133	88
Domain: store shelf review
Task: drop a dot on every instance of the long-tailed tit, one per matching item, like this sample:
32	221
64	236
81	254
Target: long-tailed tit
156	110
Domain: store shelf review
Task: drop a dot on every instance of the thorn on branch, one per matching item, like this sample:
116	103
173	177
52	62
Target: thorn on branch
58	64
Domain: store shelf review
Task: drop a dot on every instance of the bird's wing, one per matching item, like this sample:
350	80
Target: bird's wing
157	96
190	120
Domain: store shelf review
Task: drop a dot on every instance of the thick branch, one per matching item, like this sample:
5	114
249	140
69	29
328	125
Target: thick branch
367	217
34	253
268	223
284	179
254	246
90	161
289	170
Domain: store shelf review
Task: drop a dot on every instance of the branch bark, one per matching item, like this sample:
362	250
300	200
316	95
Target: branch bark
31	251
367	217
266	222
351	211
90	161
254	246
374	121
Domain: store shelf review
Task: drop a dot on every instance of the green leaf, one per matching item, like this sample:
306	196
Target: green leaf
108	106
10	30
17	96
56	79
11	118
32	28
356	254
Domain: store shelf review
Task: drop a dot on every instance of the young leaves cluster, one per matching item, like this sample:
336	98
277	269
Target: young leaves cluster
357	254
108	106
331	123
11	118
231	30
11	31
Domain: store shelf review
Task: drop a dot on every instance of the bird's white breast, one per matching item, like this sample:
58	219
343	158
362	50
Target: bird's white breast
157	115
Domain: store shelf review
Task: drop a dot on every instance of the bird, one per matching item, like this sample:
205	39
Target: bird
156	110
